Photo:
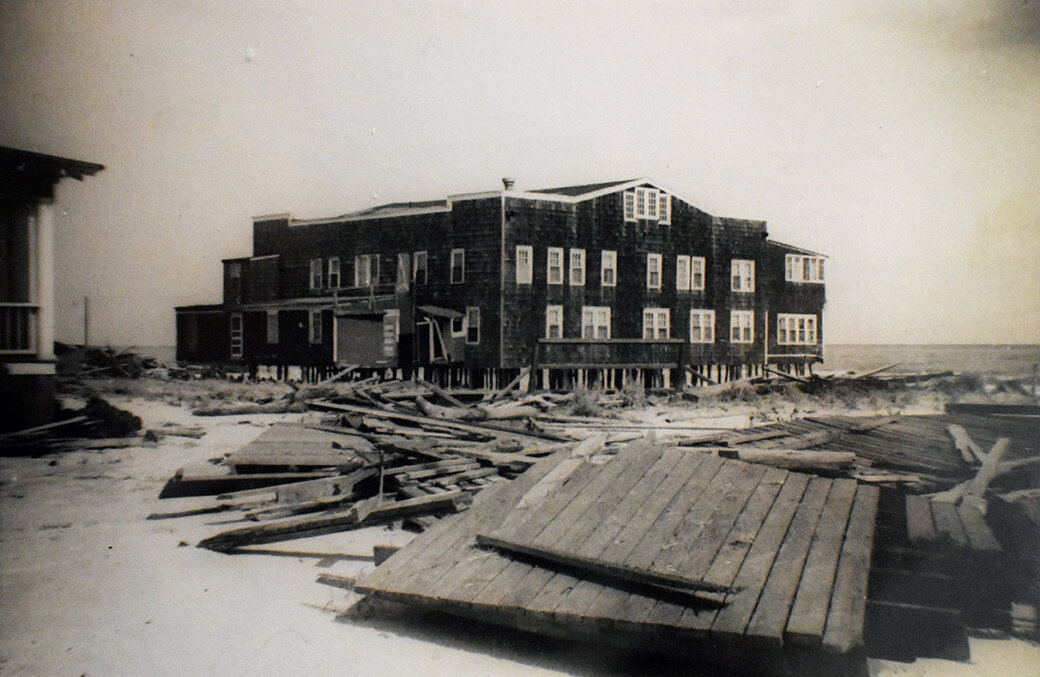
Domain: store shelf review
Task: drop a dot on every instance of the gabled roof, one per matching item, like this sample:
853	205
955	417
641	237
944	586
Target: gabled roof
576	191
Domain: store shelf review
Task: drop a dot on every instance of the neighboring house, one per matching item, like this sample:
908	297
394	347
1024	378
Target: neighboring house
27	182
589	284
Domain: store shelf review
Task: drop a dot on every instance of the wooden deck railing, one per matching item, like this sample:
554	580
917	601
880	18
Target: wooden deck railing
18	328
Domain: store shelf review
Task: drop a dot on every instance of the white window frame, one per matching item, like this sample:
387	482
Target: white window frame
742	275
705	327
647	203
664	208
742	326
237	342
317	266
416	267
458	254
797	265
682	272
656	323
595	322
334	278
697	274
653	265
366	270
553	320
577	266
629	205
472	325
794	329
272	327
550	254
314	328
524	264
457	326
608	264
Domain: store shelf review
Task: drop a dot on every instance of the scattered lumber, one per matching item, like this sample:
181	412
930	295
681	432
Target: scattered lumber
359	514
792	459
969	451
183	484
872	372
280	406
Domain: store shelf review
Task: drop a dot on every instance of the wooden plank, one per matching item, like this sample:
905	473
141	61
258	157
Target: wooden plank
980	536
845	619
207	485
730	557
962	441
919	523
793	459
734	617
665	505
948	523
808	618
774	604
655	581
330	522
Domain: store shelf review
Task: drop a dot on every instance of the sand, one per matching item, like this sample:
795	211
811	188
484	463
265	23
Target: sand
88	586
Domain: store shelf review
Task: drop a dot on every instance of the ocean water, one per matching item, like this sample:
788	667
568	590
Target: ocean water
1000	360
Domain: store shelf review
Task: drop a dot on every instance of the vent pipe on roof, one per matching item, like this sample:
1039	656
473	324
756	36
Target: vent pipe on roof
508	182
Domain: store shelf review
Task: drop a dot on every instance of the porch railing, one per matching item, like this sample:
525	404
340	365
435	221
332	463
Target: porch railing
18	328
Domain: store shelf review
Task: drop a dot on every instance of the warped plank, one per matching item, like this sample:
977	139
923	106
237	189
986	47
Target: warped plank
845	618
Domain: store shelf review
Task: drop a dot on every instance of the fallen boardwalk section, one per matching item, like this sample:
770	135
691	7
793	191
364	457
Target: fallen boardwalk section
770	567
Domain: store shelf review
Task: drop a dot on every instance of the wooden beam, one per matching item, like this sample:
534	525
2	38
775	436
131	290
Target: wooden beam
970	451
875	371
509	386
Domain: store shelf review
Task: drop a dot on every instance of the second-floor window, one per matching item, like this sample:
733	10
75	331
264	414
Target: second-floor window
742	326
655	323
792	329
366	270
419	267
458	266
577	267
608	268
524	264
554	265
595	322
554	322
653	271
334	272
702	326
316	274
798	268
743	274
648	203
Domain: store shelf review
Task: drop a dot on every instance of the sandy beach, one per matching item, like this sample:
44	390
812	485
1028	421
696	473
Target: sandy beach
88	586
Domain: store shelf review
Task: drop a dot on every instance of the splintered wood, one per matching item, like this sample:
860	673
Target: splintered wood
760	555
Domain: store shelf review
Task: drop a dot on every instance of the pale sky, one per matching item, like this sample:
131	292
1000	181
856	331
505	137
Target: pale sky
901	139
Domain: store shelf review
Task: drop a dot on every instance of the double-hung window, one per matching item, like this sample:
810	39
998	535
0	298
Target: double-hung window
742	326
524	264
554	265
608	268
595	322
472	324
419	263
236	335
316	274
655	323
793	329
653	271
554	322
689	273
333	278
458	266
366	270
702	326
743	274
697	273
577	267
800	268
315	326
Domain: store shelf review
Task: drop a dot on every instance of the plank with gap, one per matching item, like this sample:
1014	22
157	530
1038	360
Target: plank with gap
845	618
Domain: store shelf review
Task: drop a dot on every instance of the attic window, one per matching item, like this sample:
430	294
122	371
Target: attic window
648	203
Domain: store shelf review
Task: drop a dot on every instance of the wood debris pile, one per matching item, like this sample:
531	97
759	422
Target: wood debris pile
97	425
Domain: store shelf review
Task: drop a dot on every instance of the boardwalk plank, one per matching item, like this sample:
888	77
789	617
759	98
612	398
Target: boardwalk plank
849	597
808	618
948	523
919	523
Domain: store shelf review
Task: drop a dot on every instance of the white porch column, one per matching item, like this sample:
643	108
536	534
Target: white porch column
45	281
